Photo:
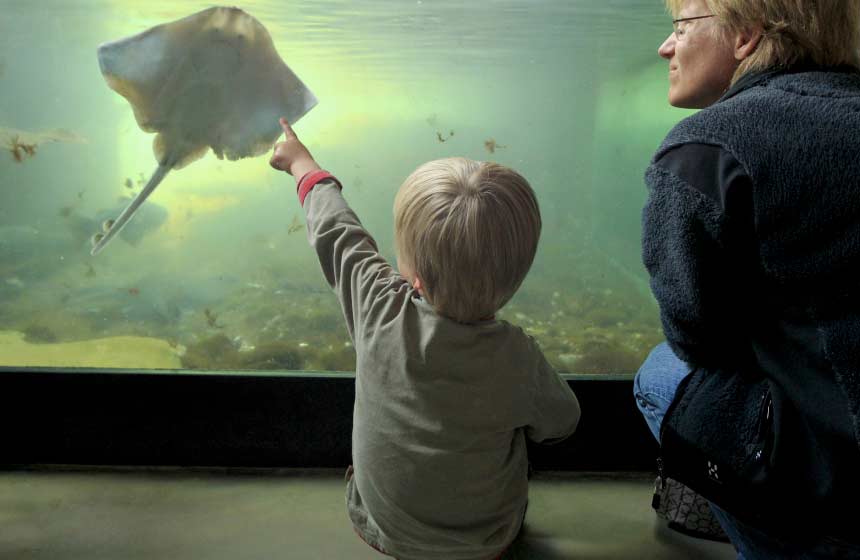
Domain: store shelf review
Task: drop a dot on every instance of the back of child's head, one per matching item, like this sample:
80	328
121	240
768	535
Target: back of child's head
469	230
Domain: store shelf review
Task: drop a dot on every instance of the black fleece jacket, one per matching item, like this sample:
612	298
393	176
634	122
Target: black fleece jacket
751	235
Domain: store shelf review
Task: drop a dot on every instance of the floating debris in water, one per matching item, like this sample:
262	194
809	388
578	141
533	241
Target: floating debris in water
128	184
491	145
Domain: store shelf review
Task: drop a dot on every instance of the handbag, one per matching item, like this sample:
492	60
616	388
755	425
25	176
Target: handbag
686	511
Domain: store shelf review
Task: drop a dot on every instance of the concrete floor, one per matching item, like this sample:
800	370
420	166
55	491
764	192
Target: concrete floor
85	515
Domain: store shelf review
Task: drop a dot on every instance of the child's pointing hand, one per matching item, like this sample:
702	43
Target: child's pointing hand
291	155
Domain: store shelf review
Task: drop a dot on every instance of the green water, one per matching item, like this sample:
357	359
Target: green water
571	92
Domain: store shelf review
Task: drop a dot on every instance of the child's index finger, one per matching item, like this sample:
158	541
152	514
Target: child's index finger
288	131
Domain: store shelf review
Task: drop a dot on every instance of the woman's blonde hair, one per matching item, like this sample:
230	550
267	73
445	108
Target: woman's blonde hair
819	32
469	230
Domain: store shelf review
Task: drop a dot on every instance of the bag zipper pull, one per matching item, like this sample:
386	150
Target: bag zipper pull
659	485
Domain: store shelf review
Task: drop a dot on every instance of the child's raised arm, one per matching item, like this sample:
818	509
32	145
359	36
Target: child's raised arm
348	254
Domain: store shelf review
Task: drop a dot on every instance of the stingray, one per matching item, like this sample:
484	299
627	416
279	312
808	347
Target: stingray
210	80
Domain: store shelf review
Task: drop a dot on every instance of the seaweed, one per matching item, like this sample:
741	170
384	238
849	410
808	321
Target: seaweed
38	333
272	355
214	352
219	352
606	356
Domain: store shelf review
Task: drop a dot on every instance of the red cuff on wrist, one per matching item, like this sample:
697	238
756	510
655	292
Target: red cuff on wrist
310	179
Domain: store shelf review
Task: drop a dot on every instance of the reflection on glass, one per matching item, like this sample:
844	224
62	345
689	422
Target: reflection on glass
214	272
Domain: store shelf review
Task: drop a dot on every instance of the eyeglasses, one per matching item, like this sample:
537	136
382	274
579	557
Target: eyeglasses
681	30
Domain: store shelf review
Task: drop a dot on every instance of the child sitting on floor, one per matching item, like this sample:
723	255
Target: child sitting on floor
445	394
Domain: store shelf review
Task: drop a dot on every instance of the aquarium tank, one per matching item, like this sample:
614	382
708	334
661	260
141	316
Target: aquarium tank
215	273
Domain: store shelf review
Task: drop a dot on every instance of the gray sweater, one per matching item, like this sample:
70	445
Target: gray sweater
442	409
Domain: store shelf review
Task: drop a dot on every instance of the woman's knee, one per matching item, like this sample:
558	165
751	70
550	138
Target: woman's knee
653	371
657	380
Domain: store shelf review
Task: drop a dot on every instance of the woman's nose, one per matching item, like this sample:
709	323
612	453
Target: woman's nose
667	49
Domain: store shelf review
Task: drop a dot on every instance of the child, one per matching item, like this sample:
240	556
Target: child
445	394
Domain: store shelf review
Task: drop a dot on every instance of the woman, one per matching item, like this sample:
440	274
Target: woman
751	236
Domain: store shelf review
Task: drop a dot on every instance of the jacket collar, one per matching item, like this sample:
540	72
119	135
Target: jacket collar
753	79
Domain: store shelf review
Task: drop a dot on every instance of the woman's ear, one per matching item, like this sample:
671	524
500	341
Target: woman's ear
746	42
418	285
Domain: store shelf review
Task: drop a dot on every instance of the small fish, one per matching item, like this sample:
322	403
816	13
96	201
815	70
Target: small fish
15	150
128	184
444	138
212	319
20	150
134	291
295	225
491	145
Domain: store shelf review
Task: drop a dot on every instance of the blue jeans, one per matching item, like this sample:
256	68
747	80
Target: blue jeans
655	385
654	388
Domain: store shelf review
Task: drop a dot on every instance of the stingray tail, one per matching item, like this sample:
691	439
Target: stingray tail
129	211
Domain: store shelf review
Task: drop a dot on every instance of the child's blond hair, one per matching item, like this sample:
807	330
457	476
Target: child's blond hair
469	230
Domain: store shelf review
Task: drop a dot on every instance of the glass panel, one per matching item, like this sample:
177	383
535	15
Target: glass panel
215	272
